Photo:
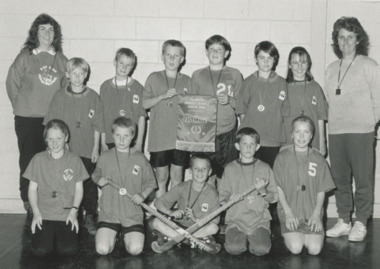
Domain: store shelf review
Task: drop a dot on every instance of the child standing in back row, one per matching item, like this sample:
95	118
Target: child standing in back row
248	221
305	97
79	107
122	96
160	96
55	193
302	176
223	82
263	102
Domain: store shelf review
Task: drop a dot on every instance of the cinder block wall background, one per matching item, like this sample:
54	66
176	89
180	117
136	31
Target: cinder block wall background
95	29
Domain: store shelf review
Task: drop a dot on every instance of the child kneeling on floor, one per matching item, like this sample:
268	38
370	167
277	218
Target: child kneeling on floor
55	193
249	220
303	177
130	169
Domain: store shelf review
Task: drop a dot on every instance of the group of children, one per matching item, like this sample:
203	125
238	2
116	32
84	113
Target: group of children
107	130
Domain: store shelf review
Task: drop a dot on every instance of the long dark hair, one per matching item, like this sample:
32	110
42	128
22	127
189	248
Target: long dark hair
32	41
300	51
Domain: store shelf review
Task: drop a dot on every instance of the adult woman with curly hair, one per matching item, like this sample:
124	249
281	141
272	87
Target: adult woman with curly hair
353	92
33	78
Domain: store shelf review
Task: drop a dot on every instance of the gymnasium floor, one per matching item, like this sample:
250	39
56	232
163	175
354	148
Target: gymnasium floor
337	253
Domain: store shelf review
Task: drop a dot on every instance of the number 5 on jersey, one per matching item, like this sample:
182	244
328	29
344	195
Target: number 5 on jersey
312	169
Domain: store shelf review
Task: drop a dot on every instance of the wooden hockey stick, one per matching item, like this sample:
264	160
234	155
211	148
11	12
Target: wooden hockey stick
168	222
200	223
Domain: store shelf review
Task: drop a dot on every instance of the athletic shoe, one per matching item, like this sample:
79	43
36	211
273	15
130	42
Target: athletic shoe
161	238
210	241
358	232
339	229
90	224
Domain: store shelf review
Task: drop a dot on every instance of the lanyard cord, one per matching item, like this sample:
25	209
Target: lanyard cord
118	166
344	75
262	98
242	170
170	103
303	99
212	80
298	165
77	108
196	198
167	81
124	96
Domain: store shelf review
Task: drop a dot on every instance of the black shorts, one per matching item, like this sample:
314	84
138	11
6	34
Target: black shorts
225	152
118	228
172	156
110	145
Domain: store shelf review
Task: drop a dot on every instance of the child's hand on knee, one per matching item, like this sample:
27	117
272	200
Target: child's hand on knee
315	223
292	222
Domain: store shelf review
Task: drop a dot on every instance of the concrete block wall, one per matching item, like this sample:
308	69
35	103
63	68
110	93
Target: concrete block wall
95	29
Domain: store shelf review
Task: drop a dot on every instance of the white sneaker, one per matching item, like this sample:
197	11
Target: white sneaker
358	232
339	229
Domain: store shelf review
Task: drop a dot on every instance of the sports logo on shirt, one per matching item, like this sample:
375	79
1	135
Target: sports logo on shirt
314	100
136	170
136	99
68	174
91	114
204	207
282	95
46	76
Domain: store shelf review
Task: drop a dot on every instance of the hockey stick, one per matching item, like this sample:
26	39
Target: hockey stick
168	222
200	223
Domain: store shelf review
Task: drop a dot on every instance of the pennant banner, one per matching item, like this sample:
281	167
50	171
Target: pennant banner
196	123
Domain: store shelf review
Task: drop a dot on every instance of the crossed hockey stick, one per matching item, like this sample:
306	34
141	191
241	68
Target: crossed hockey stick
181	232
200	223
